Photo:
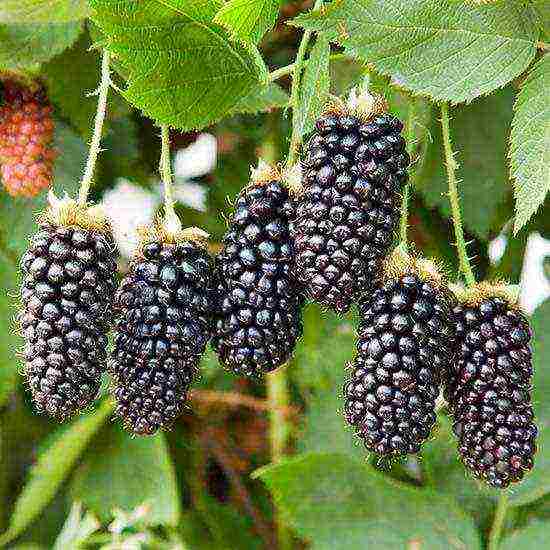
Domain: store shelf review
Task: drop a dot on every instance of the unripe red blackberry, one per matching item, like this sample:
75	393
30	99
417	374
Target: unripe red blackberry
348	207
404	343
69	279
162	308
489	386
258	318
26	136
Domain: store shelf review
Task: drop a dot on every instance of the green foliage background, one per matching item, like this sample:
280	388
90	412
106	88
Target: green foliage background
272	465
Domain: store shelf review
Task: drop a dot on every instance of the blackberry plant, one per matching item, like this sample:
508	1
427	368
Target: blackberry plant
489	386
404	345
26	135
354	167
162	310
69	278
258	317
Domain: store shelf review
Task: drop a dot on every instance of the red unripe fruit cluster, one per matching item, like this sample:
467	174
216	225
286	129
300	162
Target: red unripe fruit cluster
26	136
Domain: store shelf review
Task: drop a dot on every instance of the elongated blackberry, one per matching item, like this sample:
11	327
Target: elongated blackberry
489	387
354	167
404	343
258	318
69	279
162	310
26	136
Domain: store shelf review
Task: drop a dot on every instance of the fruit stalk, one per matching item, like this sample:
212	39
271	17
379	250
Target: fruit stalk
403	223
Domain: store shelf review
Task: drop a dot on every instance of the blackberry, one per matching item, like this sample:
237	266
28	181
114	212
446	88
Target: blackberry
404	343
26	136
258	318
162	326
347	210
69	279
489	387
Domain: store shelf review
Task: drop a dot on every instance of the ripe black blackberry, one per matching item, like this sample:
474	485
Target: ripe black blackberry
69	279
489	387
258	318
404	343
347	210
162	310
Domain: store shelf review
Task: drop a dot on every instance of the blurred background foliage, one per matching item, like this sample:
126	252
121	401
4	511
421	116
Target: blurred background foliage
255	465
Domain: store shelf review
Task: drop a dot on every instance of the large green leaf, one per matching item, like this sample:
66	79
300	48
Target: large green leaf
530	143
183	70
532	537
537	483
42	11
248	20
339	503
121	472
443	49
25	45
52	468
315	85
479	133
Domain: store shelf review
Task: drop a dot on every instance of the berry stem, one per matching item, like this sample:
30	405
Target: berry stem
295	92
288	69
454	199
498	522
165	169
403	224
98	127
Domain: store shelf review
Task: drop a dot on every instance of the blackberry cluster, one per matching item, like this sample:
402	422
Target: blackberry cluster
162	310
489	391
69	279
26	136
259	306
404	344
348	208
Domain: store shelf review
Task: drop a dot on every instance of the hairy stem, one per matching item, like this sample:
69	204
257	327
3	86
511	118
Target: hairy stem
165	169
98	127
295	92
404	221
288	69
498	522
451	164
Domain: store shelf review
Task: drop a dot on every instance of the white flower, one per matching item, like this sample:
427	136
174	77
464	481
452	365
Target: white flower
198	159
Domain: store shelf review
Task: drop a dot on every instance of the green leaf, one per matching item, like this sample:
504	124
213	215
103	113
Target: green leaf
182	68
121	472
38	11
542	12
248	20
532	537
530	143
338	503
78	527
537	483
439	48
261	100
52	468
481	154
26	45
315	85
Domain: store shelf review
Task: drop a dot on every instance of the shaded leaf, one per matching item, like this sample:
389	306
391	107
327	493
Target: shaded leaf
124	473
248	20
26	45
36	11
530	143
542	11
182	69
439	48
337	502
262	100
529	538
52	468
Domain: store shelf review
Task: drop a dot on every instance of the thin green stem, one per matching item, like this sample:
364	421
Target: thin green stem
288	69
98	128
165	169
498	522
451	164
295	92
404	221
